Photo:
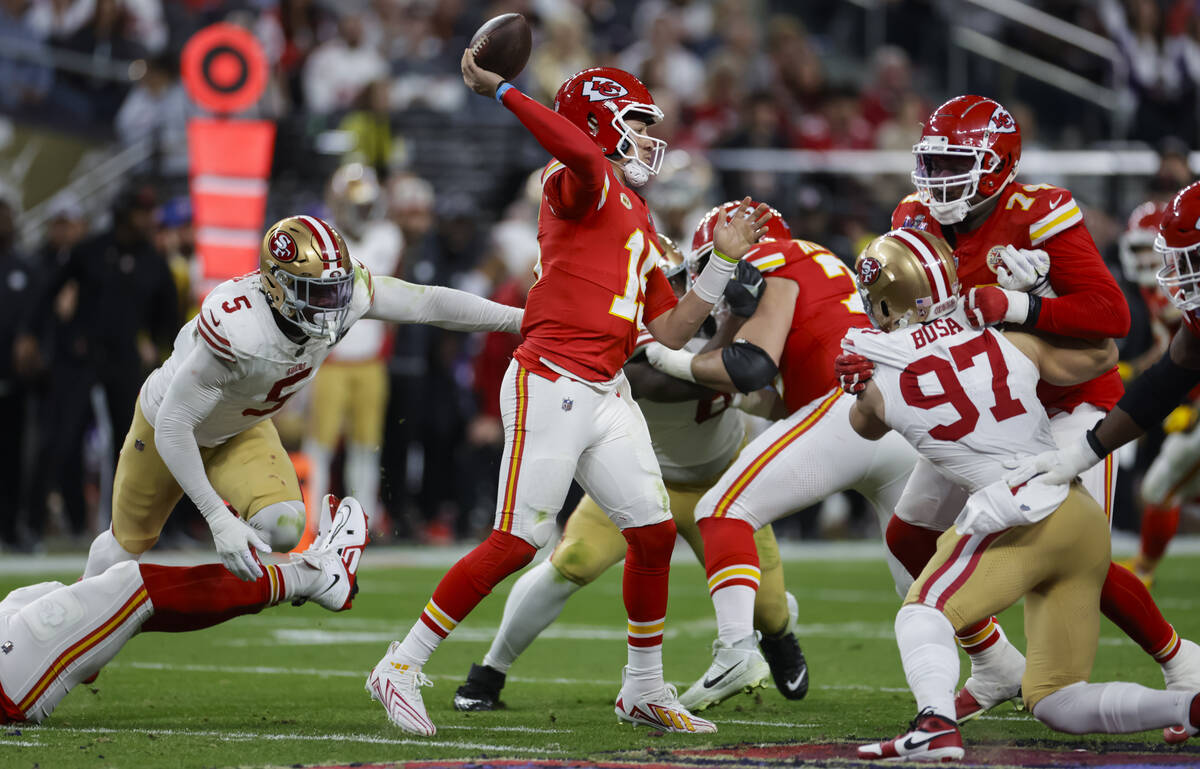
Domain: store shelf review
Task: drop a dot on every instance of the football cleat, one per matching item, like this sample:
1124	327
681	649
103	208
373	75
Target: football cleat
336	553
995	679
1174	735
659	709
481	691
397	686
1182	672
930	737
736	668
786	661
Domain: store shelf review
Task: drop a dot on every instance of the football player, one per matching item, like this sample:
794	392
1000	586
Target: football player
201	424
696	434
350	392
807	305
967	399
1158	391
1025	259
56	636
567	409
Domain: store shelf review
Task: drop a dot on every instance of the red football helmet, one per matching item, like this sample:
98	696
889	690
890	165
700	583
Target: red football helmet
1178	242
969	146
599	100
1139	262
702	240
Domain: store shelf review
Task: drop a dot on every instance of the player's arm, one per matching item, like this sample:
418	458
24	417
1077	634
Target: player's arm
648	382
399	301
752	360
580	186
195	391
1066	361
867	412
1089	304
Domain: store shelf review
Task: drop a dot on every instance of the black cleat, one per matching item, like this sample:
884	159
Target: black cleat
788	667
481	690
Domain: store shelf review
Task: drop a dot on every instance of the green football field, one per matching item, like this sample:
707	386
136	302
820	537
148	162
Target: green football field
285	687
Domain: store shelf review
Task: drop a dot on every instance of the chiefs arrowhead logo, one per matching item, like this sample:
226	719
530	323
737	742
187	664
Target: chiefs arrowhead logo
283	248
869	270
600	88
1001	122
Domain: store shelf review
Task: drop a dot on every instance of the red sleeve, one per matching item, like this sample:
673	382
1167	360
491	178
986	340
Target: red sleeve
577	190
1090	304
659	295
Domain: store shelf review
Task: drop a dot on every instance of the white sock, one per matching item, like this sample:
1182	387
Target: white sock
929	657
1116	707
419	645
298	579
362	477
735	612
536	600
319	459
644	671
104	552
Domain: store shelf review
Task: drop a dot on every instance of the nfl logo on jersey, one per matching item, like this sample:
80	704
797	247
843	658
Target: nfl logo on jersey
567	404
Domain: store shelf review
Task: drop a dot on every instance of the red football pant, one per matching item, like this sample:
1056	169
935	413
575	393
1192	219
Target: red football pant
1159	525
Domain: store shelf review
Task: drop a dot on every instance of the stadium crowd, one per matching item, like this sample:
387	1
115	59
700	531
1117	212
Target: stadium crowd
378	83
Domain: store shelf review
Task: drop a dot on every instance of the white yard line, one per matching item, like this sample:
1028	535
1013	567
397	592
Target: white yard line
4	743
748	722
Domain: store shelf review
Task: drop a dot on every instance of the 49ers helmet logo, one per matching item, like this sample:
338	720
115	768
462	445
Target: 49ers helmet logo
869	270
1002	122
600	88
283	248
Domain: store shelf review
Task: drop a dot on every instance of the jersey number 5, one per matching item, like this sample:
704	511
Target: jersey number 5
964	355
643	256
277	396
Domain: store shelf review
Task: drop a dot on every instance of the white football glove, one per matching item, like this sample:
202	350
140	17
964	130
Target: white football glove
234	539
1024	270
1052	467
676	363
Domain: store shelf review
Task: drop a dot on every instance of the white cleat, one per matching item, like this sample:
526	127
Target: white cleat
1182	672
336	553
660	709
995	679
397	686
737	668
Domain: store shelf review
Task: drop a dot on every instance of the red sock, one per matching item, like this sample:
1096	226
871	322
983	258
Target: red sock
473	577
1127	602
644	586
1159	525
980	636
195	597
912	545
728	544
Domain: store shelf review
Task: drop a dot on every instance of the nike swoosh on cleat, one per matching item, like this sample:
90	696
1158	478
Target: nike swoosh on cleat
711	682
795	683
912	744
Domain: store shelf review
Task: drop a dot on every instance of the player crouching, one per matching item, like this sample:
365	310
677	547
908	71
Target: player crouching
966	399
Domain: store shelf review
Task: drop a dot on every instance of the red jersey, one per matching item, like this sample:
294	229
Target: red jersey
1089	302
826	307
598	275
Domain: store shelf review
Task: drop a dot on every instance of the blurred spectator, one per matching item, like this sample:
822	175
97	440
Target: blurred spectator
799	76
1173	172
890	88
59	19
157	110
16	290
837	125
564	51
661	60
26	83
176	241
109	40
681	194
370	130
716	118
340	68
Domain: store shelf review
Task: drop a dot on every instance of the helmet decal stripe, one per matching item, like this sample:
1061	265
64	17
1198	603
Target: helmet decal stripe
324	235
939	281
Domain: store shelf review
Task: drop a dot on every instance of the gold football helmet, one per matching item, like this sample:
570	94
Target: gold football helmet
907	276
355	198
307	275
673	264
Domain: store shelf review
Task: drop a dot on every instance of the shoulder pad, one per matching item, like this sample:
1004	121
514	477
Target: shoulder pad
874	344
769	255
226	321
1050	209
911	212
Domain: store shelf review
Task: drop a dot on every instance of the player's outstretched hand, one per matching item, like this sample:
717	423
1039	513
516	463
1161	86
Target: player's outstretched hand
1051	467
735	235
234	539
478	79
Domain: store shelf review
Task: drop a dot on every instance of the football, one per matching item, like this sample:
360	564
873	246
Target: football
502	45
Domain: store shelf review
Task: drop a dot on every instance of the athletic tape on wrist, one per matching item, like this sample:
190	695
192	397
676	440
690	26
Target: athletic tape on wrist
710	286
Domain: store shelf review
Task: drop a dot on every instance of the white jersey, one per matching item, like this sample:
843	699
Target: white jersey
966	400
379	251
693	440
236	324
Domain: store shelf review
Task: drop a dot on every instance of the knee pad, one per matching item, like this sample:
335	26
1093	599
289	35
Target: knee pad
282	523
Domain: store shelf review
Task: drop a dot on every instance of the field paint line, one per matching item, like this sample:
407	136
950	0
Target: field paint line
747	722
20	744
250	736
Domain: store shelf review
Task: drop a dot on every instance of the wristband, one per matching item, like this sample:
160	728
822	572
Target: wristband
1095	445
719	255
1035	309
710	285
502	89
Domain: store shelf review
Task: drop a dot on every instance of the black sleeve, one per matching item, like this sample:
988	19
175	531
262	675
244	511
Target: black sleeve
1155	394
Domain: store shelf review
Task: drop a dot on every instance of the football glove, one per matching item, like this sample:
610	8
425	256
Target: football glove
989	305
234	540
744	289
1052	467
1024	270
853	371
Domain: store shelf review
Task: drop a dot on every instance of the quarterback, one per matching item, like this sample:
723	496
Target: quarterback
967	400
56	635
567	410
807	306
201	423
696	434
1029	239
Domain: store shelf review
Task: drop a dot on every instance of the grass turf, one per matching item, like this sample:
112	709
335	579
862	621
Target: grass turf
286	686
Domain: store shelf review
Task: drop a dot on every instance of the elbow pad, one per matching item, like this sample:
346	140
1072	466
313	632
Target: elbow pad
749	366
1158	391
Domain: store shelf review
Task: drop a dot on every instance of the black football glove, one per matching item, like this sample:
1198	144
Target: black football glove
744	289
